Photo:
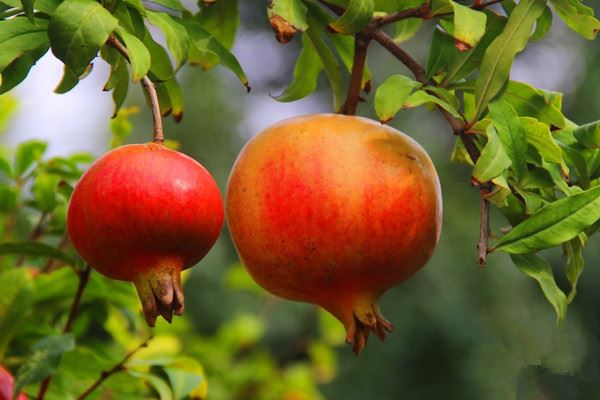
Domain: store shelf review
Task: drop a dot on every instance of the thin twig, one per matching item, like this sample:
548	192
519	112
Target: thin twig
158	136
104	375
422	11
386	41
51	264
484	228
84	277
361	44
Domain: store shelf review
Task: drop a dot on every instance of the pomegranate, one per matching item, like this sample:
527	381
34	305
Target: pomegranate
7	386
334	210
143	213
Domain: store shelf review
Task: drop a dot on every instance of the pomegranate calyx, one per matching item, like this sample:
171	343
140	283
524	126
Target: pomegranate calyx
366	317
161	294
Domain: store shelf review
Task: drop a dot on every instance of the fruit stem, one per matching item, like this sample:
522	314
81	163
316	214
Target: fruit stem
158	136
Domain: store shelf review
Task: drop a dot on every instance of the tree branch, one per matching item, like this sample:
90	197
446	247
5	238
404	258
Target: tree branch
361	44
148	85
422	11
484	227
386	41
120	366
84	277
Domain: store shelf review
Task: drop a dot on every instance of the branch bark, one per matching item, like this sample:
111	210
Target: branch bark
361	45
484	228
158	135
120	366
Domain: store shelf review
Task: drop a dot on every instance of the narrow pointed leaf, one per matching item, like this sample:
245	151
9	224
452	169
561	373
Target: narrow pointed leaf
421	97
542	25
588	135
287	17
38	249
532	102
499	56
221	20
406	28
176	35
554	224
539	269
573	250
306	73
138	54
539	136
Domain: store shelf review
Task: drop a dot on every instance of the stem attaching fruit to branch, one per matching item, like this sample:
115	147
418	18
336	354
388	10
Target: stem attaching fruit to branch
158	136
120	366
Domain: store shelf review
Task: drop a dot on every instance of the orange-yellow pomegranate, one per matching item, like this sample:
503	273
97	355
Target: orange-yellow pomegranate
334	210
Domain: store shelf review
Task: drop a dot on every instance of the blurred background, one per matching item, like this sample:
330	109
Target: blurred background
460	333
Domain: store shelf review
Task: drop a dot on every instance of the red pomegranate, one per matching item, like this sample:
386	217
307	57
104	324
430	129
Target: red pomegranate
143	213
334	210
7	386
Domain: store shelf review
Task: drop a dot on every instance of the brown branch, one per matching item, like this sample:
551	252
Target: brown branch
422	11
361	44
84	277
120	366
484	227
158	136
386	41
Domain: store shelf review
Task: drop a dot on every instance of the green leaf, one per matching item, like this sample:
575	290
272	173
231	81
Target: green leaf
533	102
462	64
293	12
158	384
176	35
421	97
182	382
161	68
578	17
27	154
315	33
43	360
118	80
172	4
203	44
539	269
357	15
138	54
20	36
573	250
554	224
77	30
406	28
17	71
441	51
542	25
539	136
44	191
170	98
589	135
507	123
469	25
391	96
70	79
39	249
499	56
221	20
306	73
15	304
493	160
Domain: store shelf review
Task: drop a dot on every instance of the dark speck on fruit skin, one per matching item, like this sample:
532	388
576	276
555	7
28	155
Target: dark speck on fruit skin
410	157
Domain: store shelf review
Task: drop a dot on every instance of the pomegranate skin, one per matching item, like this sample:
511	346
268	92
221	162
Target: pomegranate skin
7	387
334	210
143	213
